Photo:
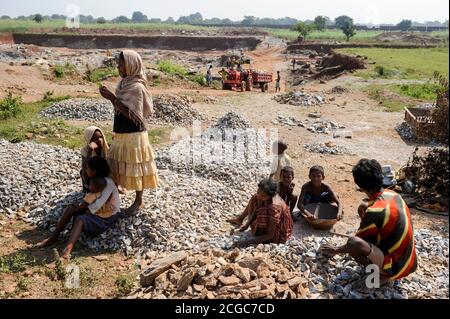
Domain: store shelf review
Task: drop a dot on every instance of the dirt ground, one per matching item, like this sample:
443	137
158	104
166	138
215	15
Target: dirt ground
373	136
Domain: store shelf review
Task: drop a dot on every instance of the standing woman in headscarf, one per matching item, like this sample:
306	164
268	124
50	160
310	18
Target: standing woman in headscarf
131	156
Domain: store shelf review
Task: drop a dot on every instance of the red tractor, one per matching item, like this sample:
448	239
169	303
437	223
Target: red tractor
247	79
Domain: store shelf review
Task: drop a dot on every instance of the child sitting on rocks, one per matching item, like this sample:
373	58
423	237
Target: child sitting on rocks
92	218
286	187
316	191
285	190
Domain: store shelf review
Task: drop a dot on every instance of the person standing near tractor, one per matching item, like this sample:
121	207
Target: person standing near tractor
224	74
277	83
209	76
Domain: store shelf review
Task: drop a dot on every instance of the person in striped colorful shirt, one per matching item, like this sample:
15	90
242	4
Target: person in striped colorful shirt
385	236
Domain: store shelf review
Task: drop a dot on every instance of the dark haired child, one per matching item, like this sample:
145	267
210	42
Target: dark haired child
286	187
316	191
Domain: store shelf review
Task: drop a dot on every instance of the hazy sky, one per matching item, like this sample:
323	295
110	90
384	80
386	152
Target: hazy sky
362	11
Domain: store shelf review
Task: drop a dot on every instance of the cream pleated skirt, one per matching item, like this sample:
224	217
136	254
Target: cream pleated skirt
132	161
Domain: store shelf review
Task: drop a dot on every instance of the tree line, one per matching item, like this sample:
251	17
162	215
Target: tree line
319	22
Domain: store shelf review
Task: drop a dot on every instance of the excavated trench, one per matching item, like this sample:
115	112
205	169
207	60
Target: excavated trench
184	43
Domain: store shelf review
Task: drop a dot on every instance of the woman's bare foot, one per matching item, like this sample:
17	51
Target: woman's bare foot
235	221
47	242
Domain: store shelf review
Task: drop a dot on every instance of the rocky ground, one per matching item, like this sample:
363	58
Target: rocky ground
187	214
290	271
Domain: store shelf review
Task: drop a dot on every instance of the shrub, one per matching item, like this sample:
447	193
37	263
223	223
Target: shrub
124	284
198	78
100	74
382	71
15	263
169	67
63	70
425	91
430	172
10	106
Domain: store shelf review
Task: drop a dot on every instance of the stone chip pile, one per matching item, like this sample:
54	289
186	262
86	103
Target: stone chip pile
169	109
320	126
174	109
300	99
230	152
327	148
93	110
214	273
34	175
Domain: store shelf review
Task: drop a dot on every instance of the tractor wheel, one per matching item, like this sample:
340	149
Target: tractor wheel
266	87
242	86
263	87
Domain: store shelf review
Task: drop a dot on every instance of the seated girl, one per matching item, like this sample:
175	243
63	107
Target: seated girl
94	218
268	216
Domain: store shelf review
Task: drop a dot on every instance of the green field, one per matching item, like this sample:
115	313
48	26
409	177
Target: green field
324	35
403	63
29	25
440	34
337	35
395	97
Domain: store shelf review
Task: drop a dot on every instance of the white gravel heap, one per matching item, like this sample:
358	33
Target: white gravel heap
319	126
324	149
230	151
300	99
94	110
187	207
185	211
33	175
170	108
174	109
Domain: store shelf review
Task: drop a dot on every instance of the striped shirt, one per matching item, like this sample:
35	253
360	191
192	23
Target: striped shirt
387	224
